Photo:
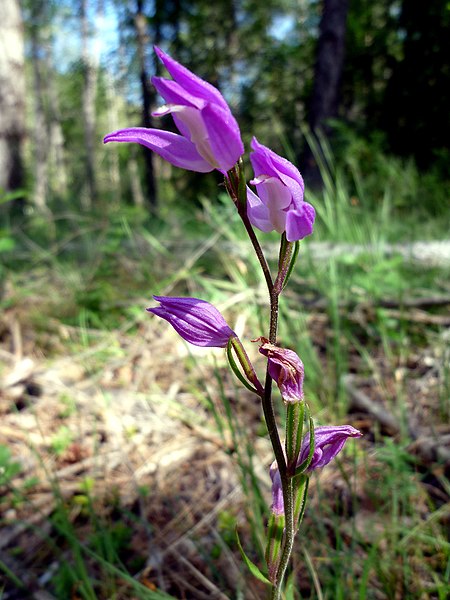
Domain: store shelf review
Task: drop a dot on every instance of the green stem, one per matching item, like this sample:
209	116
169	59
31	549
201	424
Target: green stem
258	251
288	498
237	190
294	431
287	483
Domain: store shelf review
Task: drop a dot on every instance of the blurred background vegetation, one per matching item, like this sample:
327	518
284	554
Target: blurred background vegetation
126	460
374	77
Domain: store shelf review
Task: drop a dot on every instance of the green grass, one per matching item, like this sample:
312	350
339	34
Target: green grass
375	527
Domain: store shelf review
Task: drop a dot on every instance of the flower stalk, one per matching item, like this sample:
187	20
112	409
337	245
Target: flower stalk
208	138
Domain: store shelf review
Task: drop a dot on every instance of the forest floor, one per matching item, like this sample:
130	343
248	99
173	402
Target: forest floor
118	479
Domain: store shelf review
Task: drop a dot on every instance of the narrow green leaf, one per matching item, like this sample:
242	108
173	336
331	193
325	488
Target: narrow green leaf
254	570
292	263
289	590
300	502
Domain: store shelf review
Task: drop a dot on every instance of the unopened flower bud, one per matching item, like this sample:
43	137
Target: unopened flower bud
197	321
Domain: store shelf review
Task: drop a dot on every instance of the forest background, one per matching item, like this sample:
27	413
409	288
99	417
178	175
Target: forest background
356	95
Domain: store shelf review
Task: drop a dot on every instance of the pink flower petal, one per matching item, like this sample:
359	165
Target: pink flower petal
174	148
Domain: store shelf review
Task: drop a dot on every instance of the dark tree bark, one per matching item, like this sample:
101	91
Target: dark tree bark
325	98
416	103
329	64
12	95
140	22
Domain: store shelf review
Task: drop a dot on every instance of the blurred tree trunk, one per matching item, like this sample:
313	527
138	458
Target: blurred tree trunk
12	95
112	100
57	162
140	23
40	129
90	71
328	69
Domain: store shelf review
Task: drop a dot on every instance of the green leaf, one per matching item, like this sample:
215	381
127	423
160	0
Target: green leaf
8	196
292	263
7	244
254	570
289	591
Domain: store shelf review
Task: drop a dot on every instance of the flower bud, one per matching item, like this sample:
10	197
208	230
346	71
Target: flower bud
197	321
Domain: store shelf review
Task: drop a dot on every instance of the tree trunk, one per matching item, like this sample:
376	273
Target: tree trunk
324	102
57	158
12	95
40	129
140	23
90	70
329	64
112	155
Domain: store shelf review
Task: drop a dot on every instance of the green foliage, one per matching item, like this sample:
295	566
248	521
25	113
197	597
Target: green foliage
61	440
9	468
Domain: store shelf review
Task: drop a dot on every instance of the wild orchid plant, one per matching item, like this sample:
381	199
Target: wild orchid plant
210	139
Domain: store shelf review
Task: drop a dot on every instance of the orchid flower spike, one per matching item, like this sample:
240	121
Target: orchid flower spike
210	137
279	204
196	321
328	442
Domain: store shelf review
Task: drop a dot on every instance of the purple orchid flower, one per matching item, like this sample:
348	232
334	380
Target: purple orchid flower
197	321
328	442
279	204
286	368
210	137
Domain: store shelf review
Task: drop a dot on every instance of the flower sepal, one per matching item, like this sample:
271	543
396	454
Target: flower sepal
285	368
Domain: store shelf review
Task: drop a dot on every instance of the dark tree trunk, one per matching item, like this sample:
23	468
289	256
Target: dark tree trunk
325	98
140	22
